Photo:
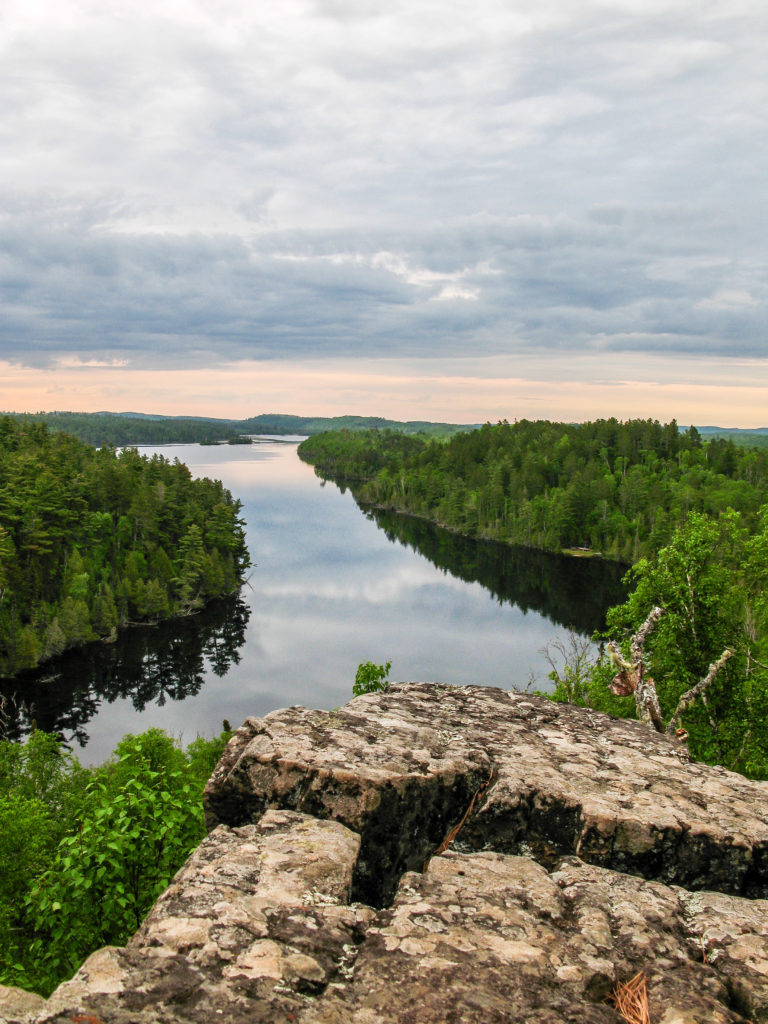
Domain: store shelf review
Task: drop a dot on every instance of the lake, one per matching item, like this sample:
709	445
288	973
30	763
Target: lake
331	586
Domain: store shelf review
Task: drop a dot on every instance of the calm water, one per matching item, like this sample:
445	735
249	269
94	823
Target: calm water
331	586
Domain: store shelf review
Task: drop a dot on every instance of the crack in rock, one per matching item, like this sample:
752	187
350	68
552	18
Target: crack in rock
327	813
402	785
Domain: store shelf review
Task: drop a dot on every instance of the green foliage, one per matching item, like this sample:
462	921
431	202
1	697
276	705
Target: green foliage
710	583
371	678
204	754
91	540
85	852
620	489
582	679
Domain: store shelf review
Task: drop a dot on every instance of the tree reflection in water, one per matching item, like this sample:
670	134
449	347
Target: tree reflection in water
572	592
145	664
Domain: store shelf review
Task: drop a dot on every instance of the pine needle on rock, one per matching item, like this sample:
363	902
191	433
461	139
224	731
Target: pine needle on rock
631	1000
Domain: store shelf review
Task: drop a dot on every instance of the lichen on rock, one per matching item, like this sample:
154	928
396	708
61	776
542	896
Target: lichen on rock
575	851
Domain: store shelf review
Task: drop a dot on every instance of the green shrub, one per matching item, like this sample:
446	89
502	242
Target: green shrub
85	852
371	678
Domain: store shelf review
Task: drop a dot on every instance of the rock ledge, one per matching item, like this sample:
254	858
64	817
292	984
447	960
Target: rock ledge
439	853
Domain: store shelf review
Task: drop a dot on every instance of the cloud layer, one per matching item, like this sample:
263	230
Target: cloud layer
327	180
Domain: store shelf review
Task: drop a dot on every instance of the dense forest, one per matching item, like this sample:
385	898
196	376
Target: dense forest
692	515
755	437
269	423
91	539
620	489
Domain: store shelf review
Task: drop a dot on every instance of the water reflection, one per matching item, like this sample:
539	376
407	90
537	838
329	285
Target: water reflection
147	665
571	592
330	588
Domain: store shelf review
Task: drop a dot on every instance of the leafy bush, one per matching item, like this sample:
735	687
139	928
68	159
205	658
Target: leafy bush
371	678
85	852
709	583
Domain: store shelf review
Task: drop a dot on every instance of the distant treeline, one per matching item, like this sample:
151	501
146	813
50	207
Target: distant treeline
616	488
755	438
117	431
91	539
121	429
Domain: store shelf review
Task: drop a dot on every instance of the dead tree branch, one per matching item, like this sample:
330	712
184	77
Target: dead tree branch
631	678
699	690
638	640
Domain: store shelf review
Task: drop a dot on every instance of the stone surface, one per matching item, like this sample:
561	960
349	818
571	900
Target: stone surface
563	780
489	937
257	919
312	810
18	1006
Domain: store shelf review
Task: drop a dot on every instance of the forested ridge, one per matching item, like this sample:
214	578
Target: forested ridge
117	430
618	488
120	429
92	539
692	515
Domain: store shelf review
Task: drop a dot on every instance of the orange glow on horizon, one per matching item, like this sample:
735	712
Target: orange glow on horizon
238	390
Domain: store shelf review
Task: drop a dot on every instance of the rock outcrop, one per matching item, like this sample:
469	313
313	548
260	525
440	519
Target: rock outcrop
451	854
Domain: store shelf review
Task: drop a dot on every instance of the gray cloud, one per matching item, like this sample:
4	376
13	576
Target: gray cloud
336	180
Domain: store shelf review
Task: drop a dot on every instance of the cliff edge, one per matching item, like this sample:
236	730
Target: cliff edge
450	854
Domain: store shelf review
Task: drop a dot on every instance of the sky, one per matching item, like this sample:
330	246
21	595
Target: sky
420	209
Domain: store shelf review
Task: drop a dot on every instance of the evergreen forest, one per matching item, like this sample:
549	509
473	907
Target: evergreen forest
118	430
620	489
93	539
691	514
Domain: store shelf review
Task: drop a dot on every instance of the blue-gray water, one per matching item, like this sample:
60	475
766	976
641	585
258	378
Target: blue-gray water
329	588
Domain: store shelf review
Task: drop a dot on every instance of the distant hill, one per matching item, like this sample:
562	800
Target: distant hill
132	428
753	437
281	423
117	430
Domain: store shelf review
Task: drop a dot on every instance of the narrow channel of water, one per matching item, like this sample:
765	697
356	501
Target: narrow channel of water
330	587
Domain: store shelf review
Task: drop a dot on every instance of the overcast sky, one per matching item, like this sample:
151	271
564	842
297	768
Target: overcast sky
418	208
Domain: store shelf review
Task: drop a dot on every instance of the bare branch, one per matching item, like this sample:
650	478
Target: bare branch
630	678
647	703
699	690
638	640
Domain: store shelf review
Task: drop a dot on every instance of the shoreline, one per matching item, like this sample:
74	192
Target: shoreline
116	634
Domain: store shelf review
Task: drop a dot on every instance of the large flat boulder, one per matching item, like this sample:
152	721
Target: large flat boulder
461	855
257	927
401	768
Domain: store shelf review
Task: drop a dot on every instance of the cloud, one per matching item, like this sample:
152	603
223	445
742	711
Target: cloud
334	180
